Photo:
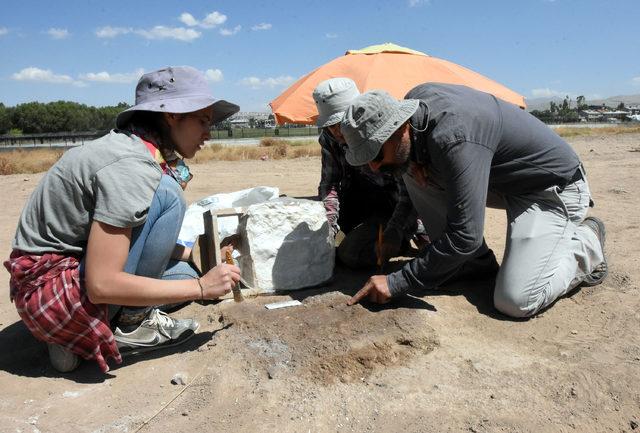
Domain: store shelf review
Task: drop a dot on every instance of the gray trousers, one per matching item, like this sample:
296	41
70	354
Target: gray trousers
547	251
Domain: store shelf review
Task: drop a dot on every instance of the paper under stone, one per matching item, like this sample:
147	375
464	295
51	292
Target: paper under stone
286	245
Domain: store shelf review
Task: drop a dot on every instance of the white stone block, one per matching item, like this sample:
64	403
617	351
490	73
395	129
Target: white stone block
286	245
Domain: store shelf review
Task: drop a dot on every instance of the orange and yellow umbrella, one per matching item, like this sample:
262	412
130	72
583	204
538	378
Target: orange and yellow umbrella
390	67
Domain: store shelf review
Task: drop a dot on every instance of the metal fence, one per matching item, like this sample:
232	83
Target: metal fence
70	139
280	131
63	139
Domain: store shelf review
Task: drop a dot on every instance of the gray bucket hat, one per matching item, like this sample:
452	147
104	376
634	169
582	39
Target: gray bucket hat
369	122
179	89
332	98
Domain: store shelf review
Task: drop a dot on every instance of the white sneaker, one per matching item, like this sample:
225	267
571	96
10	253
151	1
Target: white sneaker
157	331
63	360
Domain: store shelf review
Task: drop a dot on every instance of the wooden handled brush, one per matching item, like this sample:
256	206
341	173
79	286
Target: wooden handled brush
237	293
379	243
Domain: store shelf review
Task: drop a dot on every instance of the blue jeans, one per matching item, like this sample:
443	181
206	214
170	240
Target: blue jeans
152	245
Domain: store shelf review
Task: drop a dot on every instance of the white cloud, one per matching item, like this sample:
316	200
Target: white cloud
106	77
213	19
415	3
185	34
214	75
111	32
271	82
261	26
163	32
230	32
58	33
157	32
37	74
44	75
3	31
210	21
253	82
187	19
548	93
636	81
331	35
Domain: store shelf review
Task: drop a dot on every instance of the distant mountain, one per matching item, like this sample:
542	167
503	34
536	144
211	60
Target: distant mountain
613	101
541	103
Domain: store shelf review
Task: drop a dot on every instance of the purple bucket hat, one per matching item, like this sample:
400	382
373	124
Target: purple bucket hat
179	89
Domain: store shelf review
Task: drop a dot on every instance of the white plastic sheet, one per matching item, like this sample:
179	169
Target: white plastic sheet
193	225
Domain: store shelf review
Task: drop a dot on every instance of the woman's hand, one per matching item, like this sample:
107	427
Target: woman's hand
219	281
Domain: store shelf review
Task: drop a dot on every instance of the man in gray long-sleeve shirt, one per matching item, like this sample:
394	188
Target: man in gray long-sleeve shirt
461	150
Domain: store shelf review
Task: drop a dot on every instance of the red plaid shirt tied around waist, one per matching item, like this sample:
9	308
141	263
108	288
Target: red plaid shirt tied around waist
47	294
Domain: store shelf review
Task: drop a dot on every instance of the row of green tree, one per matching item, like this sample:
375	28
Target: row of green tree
59	116
565	112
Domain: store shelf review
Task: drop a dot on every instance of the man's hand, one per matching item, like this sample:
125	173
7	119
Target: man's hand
376	290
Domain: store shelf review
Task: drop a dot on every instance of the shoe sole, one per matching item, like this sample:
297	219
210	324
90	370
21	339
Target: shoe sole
589	281
73	360
130	351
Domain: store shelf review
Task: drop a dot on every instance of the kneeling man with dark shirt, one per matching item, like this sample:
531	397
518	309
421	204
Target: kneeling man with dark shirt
461	150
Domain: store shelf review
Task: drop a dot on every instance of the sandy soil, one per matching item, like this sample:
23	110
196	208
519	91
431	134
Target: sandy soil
439	361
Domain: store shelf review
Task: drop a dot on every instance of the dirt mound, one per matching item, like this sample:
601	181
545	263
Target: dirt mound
325	340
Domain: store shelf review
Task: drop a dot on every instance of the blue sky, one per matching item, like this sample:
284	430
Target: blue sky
94	51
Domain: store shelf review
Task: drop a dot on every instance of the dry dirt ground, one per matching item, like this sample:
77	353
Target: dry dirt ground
438	361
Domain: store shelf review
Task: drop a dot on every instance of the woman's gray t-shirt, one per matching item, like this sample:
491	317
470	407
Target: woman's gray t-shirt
111	180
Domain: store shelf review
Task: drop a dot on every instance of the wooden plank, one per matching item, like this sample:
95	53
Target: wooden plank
207	253
215	237
209	243
232	211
